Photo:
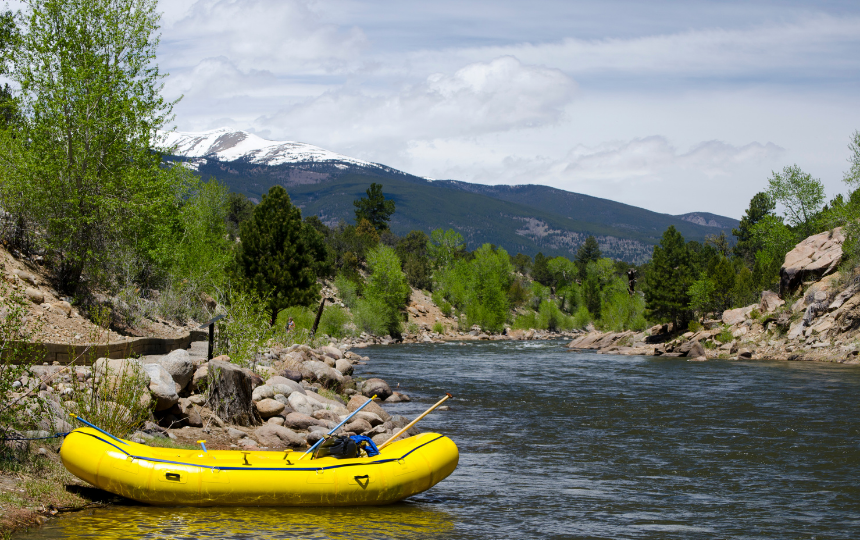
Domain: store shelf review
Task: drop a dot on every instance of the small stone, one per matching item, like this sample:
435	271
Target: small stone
235	433
277	420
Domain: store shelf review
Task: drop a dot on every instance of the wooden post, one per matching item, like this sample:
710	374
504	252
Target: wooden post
211	324
319	316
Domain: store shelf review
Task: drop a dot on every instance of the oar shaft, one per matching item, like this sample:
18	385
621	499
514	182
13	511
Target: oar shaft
412	423
337	427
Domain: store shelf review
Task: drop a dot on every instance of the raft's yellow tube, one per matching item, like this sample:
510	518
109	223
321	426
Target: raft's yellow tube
164	476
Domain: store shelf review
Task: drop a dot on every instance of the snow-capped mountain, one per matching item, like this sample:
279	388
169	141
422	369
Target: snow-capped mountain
225	144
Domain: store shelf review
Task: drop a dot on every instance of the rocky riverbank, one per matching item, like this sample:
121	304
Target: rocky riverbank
816	319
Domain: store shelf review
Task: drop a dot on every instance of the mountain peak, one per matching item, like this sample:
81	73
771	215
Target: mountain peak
227	144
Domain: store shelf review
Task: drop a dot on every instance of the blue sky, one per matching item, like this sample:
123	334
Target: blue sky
672	106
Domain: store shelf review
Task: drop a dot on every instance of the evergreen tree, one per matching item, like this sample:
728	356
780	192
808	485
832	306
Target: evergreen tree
413	252
761	205
278	254
589	251
540	270
374	208
669	279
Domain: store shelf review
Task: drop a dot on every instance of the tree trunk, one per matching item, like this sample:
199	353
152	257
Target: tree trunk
229	393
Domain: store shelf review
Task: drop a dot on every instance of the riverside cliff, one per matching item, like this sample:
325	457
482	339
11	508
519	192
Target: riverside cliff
816	317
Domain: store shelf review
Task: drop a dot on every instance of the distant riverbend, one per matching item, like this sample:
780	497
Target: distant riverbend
558	444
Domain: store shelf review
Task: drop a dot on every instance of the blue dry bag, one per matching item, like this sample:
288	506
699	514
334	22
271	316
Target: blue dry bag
368	445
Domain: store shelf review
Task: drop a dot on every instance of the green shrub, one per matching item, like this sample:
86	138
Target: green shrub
335	322
725	335
412	328
526	321
694	326
347	289
582	317
551	318
370	316
446	308
387	290
438	328
245	330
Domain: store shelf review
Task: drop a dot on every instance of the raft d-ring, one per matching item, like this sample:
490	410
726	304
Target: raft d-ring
363	480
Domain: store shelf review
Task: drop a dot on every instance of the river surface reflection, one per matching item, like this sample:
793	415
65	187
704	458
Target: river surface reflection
578	445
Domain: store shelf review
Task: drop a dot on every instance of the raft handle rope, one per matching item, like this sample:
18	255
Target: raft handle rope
54	436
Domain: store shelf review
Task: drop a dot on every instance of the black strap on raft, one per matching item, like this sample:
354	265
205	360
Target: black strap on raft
340	447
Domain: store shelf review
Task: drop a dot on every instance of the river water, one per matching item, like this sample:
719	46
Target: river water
555	444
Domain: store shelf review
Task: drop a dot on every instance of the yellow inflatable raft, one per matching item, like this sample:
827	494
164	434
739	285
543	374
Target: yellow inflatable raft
163	476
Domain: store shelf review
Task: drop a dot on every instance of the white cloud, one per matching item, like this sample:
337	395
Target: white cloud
482	97
282	36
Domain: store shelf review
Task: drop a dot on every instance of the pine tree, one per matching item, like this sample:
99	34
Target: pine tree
374	208
540	270
669	279
589	251
761	205
278	254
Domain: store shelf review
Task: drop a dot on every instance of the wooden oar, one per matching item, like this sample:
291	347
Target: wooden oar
412	423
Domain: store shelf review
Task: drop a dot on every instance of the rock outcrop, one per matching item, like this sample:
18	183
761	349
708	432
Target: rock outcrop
812	259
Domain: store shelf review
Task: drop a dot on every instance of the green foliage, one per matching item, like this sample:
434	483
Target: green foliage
89	93
519	292
761	205
444	247
620	310
16	353
701	294
480	286
694	326
374	208
588	252
551	318
852	175
247	327
413	250
525	321
800	194
439	299
668	279
591	296
541	272
347	289
239	210
387	288
371	316
725	335
438	328
278	254
582	317
522	263
774	240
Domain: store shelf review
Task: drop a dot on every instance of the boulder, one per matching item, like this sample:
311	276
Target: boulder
696	350
275	436
63	306
327	415
292	374
735	316
813	258
34	295
161	386
301	421
269	408
25	276
770	301
179	365
255	379
302	404
344	366
285	386
323	373
336	403
744	353
262	392
358	425
234	433
229	394
189	411
332	352
201	376
376	387
277	420
357	401
371	418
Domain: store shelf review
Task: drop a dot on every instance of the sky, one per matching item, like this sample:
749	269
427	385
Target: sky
672	106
